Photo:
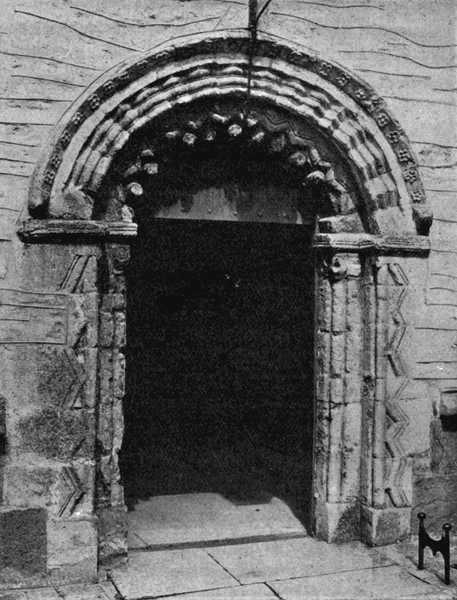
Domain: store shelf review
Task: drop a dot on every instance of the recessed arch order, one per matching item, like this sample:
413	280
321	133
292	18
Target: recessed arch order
348	113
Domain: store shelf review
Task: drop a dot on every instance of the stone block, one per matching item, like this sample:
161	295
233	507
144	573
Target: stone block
106	335
29	484
72	550
83	320
112	534
382	526
448	404
58	434
337	521
436	495
23	541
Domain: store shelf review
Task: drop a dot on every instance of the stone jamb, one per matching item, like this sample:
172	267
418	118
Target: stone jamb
353	304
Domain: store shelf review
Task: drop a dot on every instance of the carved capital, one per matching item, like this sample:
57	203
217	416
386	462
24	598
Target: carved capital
340	266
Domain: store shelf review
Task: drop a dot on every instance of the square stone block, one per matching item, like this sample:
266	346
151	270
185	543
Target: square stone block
72	550
23	542
382	526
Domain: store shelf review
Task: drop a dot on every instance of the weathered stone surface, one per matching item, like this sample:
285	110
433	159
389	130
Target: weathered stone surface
72	550
436	495
29	484
371	584
49	341
383	526
112	534
267	561
166	573
23	549
57	434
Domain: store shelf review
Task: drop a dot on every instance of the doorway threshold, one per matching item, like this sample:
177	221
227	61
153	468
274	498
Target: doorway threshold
215	543
179	521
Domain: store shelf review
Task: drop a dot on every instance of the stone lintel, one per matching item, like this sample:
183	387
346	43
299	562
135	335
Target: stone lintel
382	526
62	230
365	242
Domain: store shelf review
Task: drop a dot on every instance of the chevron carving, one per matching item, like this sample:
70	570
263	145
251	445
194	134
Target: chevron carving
72	491
397	476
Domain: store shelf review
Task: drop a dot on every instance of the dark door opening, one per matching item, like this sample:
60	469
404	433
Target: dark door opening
219	400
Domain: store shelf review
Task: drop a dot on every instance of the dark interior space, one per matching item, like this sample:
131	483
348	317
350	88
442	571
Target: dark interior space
220	351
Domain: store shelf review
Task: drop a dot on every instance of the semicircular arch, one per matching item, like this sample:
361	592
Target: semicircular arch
344	109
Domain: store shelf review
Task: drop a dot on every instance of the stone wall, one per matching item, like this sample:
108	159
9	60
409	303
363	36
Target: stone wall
51	51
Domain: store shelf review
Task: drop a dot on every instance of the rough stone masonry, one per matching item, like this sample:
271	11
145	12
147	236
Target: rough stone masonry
357	102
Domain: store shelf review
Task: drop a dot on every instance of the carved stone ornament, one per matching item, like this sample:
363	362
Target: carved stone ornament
190	71
242	136
335	268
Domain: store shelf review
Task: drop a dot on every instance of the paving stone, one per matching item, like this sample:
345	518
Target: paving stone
109	590
382	583
47	593
83	592
267	561
12	595
169	572
245	592
135	542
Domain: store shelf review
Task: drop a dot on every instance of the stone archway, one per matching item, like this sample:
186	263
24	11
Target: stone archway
370	235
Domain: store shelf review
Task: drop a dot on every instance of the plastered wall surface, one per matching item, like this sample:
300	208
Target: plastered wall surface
52	51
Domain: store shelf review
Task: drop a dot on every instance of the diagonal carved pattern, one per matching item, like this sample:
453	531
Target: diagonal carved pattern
73	491
74	277
397	463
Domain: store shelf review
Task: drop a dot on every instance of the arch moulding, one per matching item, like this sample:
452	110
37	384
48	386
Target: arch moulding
347	112
361	471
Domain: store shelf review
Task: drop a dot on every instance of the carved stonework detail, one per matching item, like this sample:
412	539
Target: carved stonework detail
254	134
98	151
338	442
33	317
335	268
71	491
397	468
111	378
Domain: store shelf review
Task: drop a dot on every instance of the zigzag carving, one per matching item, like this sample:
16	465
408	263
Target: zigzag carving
74	276
397	422
397	467
73	491
72	397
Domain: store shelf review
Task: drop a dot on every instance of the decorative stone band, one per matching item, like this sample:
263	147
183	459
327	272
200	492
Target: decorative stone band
335	102
365	242
61	230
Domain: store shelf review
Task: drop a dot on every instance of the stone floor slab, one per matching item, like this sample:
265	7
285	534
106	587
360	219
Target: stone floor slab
382	583
43	594
150	574
83	592
257	591
282	559
12	595
186	518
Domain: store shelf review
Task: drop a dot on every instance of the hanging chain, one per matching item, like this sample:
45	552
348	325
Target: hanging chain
254	18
